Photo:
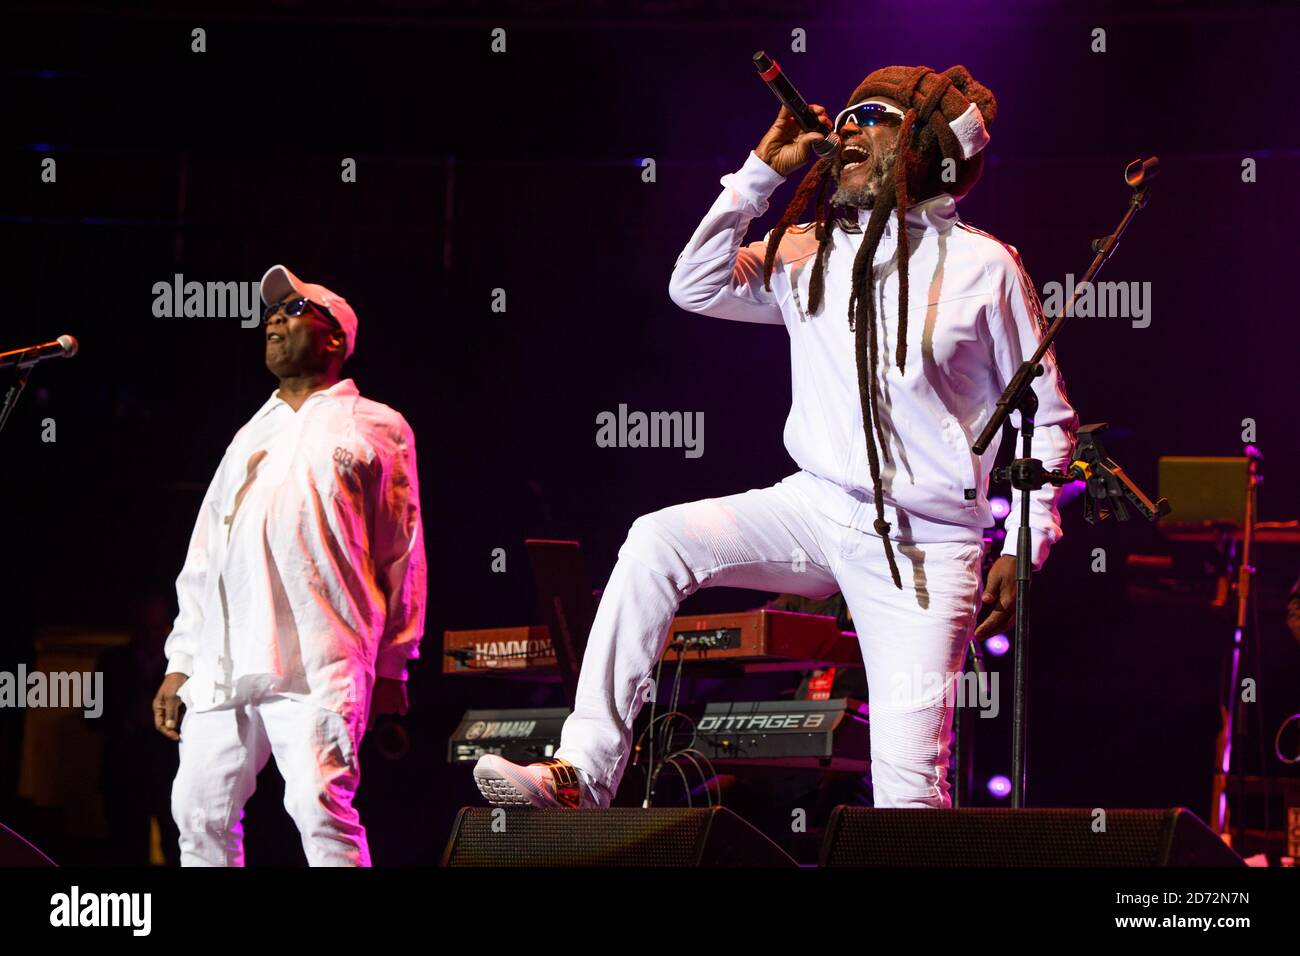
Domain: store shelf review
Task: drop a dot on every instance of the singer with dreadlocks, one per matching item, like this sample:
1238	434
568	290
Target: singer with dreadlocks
905	324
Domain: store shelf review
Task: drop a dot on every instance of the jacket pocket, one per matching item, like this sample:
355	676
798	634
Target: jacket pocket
967	465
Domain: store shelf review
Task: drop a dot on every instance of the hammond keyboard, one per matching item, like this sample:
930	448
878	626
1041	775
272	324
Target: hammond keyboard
746	641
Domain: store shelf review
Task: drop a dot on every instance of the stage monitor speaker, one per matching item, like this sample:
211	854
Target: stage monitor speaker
977	836
619	836
15	851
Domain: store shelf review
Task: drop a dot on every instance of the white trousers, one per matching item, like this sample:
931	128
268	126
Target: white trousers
913	641
223	750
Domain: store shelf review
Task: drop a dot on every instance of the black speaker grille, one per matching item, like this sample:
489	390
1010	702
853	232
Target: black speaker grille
619	836
1031	837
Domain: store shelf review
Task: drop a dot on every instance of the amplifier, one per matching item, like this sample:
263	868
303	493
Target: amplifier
999	836
620	836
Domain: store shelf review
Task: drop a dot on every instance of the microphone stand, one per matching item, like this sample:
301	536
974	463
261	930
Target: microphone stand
16	389
1027	473
1234	710
25	360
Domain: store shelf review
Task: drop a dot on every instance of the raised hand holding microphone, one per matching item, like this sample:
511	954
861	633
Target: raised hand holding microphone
786	147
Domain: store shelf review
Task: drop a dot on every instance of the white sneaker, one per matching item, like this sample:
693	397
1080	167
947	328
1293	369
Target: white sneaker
551	784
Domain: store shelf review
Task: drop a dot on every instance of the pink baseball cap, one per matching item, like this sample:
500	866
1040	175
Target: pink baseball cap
279	282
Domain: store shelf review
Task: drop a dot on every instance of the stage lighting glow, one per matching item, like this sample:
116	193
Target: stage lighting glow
1001	507
998	644
1071	491
1000	786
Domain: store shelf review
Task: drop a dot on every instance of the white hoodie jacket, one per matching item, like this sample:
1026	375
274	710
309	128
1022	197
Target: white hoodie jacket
970	326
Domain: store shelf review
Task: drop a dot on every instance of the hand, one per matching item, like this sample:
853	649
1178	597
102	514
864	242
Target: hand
786	146
168	708
1000	591
389	698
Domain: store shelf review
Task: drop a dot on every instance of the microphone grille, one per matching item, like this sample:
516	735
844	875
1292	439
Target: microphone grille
69	344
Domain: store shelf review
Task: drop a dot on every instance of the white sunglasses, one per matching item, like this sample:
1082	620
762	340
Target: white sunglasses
870	114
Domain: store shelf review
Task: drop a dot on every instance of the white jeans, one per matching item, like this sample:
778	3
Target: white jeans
223	750
913	641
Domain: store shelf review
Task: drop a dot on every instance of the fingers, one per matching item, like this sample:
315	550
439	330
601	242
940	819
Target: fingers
994	623
165	720
158	712
787	146
786	122
171	717
1004	593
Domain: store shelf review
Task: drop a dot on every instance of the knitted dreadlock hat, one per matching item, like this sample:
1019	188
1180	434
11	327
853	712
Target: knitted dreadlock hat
951	105
946	117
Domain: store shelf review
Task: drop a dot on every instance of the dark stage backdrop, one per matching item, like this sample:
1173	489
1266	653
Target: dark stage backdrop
522	171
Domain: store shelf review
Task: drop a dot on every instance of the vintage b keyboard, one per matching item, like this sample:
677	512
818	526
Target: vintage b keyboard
748	641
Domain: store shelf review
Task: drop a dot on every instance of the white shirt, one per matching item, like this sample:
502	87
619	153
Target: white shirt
969	328
305	574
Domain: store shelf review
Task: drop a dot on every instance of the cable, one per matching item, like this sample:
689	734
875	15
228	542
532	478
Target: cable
690	755
1277	742
654	699
686	784
674	698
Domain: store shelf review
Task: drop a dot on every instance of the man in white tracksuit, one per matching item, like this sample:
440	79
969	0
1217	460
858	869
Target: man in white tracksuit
302	596
836	522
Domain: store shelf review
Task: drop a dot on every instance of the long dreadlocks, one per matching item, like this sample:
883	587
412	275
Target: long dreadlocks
926	137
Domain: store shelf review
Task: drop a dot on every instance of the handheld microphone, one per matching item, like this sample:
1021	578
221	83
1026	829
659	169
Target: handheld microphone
771	73
65	346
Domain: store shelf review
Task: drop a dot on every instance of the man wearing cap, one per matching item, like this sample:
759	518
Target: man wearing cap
302	596
891	381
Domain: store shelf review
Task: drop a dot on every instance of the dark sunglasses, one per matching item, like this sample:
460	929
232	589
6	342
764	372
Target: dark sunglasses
296	307
869	114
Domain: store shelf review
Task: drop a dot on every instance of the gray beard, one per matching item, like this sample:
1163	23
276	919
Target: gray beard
865	195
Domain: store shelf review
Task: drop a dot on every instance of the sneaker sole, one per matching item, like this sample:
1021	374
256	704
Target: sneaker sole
500	787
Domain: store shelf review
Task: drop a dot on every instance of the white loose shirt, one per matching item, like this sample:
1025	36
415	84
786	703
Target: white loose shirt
970	326
305	574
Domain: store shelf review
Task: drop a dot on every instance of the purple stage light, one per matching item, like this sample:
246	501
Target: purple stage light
998	644
1000	786
1001	507
1071	491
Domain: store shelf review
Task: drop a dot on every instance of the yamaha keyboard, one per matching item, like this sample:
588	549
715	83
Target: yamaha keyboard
809	734
746	641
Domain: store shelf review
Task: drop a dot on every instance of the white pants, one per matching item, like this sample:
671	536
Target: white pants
223	750
913	641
